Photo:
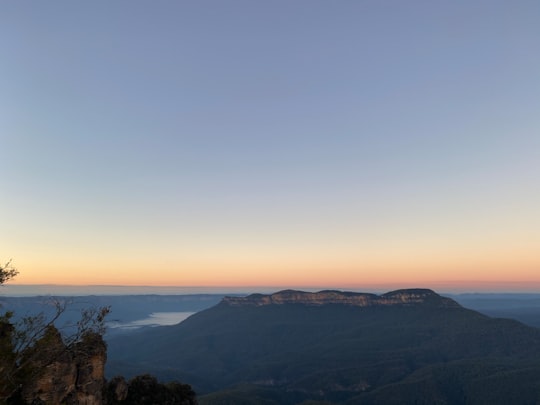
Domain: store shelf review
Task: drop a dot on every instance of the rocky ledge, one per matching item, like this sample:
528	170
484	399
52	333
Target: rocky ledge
408	297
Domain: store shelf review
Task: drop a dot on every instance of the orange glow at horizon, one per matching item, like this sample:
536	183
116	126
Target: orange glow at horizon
315	273
340	259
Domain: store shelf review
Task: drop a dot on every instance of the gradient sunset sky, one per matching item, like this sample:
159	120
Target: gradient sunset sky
286	143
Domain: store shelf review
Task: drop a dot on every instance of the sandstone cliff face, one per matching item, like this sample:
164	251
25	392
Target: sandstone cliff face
69	375
400	297
53	373
7	357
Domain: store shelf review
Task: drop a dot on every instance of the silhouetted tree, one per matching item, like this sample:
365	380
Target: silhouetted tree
7	272
23	344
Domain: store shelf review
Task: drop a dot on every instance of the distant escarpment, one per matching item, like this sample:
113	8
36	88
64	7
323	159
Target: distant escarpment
403	347
408	297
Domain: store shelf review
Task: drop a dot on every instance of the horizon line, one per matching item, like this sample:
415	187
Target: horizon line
449	287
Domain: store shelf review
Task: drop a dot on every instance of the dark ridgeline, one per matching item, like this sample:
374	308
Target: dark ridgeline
403	347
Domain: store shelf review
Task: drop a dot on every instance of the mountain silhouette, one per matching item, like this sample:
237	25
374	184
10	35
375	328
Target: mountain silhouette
405	346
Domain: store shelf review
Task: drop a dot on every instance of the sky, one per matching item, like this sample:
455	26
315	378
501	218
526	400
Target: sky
343	144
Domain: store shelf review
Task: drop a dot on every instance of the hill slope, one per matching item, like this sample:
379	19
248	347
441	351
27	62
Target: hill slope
400	347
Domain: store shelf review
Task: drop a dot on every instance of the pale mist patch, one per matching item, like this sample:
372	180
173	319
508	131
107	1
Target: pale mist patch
155	319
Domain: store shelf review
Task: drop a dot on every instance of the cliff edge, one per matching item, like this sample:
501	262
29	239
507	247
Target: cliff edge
406	297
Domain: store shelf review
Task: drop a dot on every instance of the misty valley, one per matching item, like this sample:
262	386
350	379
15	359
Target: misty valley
329	347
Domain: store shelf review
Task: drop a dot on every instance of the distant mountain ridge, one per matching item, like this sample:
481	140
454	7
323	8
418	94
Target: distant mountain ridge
402	347
417	296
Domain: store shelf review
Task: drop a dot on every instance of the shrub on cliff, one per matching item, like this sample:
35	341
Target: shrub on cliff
38	365
146	390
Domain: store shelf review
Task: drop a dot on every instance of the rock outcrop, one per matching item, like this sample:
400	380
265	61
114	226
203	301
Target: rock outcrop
406	297
7	357
51	372
59	374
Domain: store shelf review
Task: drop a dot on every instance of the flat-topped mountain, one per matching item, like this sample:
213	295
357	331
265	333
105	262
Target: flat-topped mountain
416	296
402	347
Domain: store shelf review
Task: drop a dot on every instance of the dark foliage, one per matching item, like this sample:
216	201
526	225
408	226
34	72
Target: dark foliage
39	364
7	272
146	390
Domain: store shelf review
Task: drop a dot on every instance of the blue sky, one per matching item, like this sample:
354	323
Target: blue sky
348	142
